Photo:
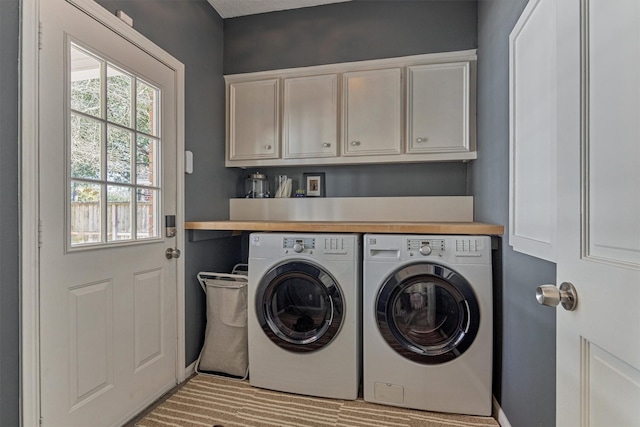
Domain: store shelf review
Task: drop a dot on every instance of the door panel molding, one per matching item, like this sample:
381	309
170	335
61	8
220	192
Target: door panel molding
605	164
91	340
532	132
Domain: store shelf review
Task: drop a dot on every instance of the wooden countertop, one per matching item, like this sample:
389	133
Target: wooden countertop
352	227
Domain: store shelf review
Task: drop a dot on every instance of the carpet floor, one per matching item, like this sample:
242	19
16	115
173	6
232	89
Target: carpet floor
216	402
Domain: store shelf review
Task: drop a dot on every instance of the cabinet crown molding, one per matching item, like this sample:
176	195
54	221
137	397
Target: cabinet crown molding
369	64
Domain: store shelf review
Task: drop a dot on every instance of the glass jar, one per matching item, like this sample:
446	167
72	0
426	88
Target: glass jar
256	186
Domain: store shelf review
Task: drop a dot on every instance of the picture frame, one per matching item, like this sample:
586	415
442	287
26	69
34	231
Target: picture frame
314	184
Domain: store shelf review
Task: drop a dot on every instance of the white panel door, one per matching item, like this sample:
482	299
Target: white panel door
107	150
598	344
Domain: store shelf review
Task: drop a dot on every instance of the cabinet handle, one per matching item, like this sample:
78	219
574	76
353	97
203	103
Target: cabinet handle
355	143
268	147
326	145
421	139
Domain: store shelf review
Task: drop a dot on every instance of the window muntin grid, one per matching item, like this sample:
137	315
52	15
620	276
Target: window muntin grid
114	156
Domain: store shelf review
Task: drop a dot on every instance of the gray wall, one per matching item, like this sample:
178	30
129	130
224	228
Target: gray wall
355	31
9	267
191	31
525	386
351	31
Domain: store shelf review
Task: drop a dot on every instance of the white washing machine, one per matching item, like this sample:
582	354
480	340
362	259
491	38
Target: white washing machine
428	322
304	316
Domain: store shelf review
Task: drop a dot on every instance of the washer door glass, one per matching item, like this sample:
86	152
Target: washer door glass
427	313
299	306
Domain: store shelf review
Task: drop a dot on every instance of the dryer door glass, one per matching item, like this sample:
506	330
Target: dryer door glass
427	313
299	306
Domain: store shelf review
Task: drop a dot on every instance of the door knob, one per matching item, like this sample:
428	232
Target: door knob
550	295
172	253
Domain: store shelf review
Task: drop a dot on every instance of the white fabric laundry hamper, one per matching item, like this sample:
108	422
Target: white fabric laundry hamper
225	349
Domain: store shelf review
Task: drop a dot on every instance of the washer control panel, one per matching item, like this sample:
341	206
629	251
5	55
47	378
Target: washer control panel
320	246
425	247
311	245
299	244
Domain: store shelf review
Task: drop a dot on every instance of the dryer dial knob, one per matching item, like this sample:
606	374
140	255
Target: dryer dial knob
425	250
298	247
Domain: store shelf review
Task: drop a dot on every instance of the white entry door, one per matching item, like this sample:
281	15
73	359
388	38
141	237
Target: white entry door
598	344
107	152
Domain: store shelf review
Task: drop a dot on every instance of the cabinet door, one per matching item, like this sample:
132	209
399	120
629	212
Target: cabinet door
310	125
253	120
439	108
372	112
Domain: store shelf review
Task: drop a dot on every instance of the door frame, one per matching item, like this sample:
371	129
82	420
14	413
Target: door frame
30	203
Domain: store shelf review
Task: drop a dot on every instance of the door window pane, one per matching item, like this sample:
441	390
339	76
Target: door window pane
146	108
86	213
119	96
147	206
86	153
146	160
118	155
86	87
119	225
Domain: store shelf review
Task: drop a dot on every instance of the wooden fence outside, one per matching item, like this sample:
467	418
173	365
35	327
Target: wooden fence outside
86	221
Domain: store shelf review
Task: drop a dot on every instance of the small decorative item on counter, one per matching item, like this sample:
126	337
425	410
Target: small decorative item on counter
314	184
300	193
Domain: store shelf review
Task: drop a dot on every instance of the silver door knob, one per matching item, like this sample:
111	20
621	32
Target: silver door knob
355	143
172	253
326	145
550	295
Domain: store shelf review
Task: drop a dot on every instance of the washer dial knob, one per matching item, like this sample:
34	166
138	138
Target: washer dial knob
298	247
425	250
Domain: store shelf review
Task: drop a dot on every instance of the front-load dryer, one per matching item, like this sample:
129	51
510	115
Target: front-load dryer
427	322
304	317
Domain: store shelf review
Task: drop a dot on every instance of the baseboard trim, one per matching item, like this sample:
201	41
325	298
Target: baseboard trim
191	369
499	414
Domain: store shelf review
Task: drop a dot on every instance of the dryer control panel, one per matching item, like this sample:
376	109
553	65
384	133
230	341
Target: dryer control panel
454	249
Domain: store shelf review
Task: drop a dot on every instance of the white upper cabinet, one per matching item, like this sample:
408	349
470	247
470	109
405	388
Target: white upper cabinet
355	113
310	119
253	120
372	112
440	111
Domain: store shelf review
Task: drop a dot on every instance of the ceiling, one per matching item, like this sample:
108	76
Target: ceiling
233	8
